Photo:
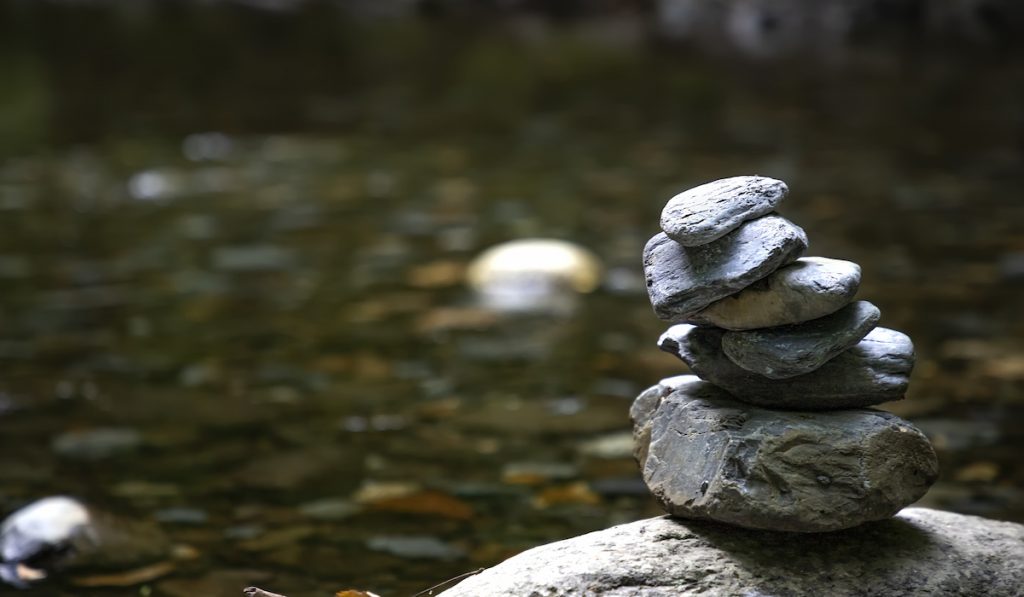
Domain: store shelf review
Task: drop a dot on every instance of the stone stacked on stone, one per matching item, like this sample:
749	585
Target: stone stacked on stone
771	432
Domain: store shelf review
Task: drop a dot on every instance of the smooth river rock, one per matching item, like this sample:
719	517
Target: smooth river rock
876	370
702	214
684	280
807	289
793	350
713	457
919	552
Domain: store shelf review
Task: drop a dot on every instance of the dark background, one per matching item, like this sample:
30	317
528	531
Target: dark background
233	239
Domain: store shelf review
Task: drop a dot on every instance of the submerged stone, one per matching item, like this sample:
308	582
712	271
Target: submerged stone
919	552
705	213
807	289
684	280
876	370
792	350
711	456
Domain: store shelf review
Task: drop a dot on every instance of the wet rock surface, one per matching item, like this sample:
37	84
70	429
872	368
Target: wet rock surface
684	280
705	213
807	289
919	552
713	457
788	351
876	370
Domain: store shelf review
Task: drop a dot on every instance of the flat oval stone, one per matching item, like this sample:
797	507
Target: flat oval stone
810	288
876	370
713	457
684	280
702	214
792	350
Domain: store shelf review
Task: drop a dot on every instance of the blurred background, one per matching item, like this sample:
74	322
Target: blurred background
238	295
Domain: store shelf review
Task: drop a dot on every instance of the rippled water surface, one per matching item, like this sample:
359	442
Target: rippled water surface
233	252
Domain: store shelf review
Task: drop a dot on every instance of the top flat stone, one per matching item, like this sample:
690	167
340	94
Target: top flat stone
807	289
706	213
684	280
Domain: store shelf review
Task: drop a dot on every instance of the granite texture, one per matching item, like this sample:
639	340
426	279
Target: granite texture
919	552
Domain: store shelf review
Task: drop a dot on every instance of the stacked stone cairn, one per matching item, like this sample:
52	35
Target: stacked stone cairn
773	431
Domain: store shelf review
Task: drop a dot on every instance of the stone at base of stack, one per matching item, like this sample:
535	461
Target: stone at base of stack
704	454
773	434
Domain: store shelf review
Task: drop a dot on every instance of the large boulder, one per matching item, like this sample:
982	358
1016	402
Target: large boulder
710	456
919	552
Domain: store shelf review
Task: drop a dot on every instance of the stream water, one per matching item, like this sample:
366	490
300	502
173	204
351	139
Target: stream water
232	254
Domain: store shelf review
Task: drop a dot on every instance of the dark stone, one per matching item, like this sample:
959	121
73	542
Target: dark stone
702	214
807	289
876	370
711	456
684	280
793	350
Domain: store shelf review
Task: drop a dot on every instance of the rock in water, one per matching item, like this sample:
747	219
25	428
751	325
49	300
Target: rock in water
920	552
684	280
702	214
810	288
716	458
59	532
876	370
793	350
533	274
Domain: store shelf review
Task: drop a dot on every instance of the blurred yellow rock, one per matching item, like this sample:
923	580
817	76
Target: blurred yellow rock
981	471
532	274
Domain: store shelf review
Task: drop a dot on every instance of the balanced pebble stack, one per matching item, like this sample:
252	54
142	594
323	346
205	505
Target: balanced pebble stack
773	431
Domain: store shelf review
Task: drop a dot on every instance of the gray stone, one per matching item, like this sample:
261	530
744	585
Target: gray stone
920	552
810	288
713	457
643	408
876	370
793	350
708	212
59	532
684	280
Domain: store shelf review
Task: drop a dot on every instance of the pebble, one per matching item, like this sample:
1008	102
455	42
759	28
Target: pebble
415	547
706	213
97	444
876	370
684	280
713	457
807	289
788	351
